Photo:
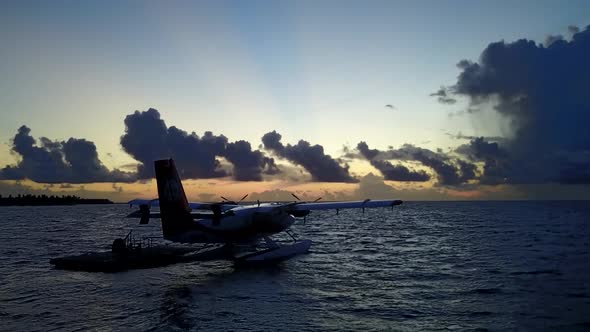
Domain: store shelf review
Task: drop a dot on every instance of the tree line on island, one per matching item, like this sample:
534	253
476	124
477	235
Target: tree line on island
29	199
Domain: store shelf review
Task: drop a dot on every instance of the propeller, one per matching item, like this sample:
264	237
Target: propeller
299	199
225	200
304	215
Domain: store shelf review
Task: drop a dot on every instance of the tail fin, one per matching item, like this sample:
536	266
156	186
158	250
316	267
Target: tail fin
174	208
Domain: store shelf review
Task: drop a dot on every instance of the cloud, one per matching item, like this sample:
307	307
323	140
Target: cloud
449	171
321	166
147	138
572	29
443	95
399	172
550	39
270	167
480	149
389	171
249	165
408	152
460	136
47	161
542	90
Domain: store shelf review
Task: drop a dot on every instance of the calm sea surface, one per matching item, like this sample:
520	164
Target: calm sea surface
423	266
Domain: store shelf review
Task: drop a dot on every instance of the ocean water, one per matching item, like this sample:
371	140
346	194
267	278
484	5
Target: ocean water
423	266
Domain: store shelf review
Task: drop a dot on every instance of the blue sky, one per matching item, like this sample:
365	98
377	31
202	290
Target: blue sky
315	70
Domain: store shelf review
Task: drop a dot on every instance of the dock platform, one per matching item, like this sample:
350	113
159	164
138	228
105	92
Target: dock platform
128	254
140	258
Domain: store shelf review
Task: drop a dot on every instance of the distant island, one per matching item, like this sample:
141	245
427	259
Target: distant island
25	200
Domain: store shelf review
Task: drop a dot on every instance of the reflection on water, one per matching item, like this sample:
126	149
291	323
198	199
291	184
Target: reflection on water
493	265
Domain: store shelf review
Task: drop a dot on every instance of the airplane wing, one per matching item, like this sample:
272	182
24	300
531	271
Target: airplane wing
155	202
193	205
346	205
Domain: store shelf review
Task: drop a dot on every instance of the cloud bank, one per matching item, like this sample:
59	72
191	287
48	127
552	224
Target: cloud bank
542	89
147	138
321	166
389	171
47	161
447	170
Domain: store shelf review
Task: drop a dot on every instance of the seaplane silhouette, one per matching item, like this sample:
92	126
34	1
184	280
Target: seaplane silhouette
239	228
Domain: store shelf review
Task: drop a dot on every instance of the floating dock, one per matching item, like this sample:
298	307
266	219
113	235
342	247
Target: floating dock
141	258
128	254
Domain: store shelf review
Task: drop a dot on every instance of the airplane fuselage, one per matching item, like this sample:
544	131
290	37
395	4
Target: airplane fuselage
239	225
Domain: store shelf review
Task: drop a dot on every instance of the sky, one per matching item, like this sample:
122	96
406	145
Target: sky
412	100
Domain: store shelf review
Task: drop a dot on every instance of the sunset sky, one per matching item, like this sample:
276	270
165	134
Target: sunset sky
452	99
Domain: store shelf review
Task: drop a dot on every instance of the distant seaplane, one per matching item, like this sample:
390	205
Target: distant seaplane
231	224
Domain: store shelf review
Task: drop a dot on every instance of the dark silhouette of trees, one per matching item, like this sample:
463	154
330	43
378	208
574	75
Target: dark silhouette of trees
29	199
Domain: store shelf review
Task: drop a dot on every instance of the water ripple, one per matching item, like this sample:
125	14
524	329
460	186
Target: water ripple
423	266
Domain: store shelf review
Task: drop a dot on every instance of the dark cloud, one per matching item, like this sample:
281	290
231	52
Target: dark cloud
448	174
270	167
399	172
389	171
363	148
573	29
12	173
550	39
479	149
321	166
543	91
409	151
449	171
147	138
497	162
460	136
272	141
443	96
249	165
71	161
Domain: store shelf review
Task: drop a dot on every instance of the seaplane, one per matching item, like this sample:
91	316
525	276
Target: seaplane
244	230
